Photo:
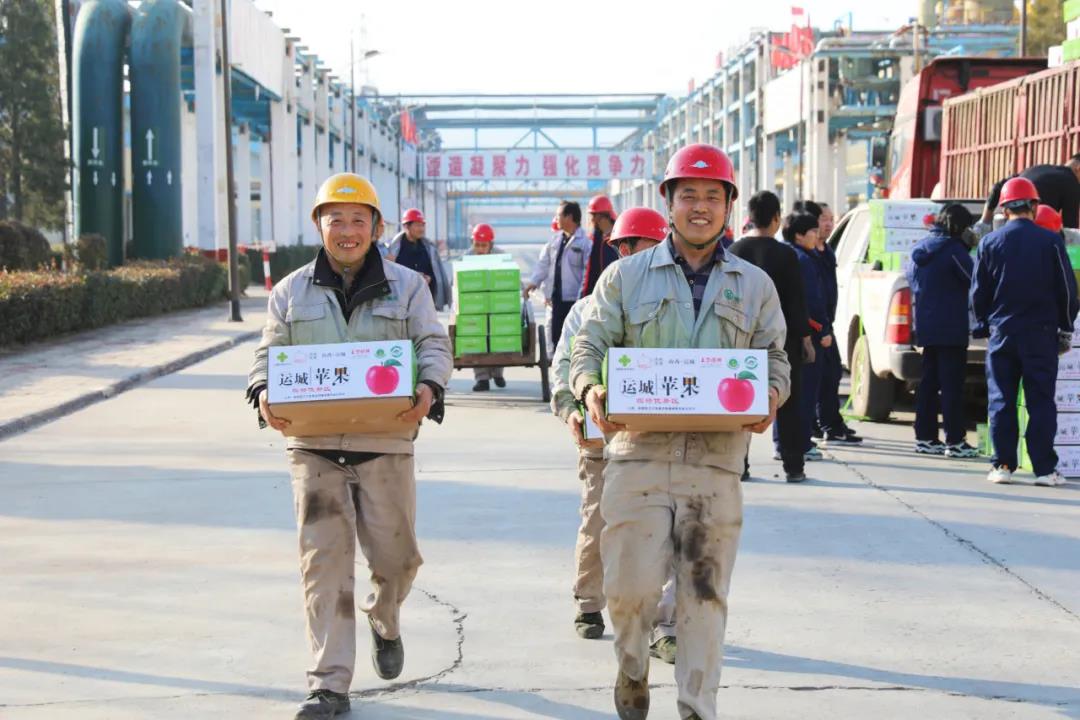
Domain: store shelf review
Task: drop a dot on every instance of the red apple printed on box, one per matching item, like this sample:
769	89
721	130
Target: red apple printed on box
383	378
736	394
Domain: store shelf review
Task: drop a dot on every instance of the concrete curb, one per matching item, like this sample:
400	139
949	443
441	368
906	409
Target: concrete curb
42	417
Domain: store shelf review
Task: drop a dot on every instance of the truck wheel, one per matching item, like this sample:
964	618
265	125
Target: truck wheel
871	396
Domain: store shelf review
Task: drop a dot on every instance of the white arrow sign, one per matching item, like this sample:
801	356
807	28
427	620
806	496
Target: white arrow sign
95	178
114	179
149	177
95	150
168	177
150	145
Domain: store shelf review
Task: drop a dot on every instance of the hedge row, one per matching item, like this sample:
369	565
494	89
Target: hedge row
41	304
23	247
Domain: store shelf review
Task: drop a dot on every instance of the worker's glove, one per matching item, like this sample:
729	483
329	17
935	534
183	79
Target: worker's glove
1065	340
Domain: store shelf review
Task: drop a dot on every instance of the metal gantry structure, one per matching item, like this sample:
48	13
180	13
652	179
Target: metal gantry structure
504	122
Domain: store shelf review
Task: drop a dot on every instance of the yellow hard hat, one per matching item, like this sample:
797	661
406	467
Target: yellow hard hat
345	188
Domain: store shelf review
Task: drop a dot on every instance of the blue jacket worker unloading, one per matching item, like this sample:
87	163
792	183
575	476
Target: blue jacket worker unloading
940	277
1023	297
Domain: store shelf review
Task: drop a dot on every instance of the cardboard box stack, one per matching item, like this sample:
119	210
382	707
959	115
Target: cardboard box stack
487	305
686	390
1067	401
342	388
1071	46
895	227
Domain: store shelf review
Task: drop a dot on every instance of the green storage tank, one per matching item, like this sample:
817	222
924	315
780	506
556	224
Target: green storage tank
157	31
97	107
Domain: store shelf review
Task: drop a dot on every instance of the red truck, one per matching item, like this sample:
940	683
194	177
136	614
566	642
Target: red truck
916	143
1000	131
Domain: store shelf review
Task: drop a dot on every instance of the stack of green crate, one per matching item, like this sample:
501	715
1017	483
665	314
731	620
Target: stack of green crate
1071	47
1067	401
487	302
895	227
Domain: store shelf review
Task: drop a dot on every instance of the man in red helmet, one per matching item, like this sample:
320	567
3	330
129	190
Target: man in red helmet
676	497
413	250
636	230
1023	297
602	214
483	237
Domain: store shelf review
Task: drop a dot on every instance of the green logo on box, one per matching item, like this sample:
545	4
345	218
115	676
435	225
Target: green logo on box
380	353
282	357
733	363
396	351
751	362
625	361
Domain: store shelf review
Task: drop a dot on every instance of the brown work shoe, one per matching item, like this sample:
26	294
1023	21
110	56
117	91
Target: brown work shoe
388	656
632	697
589	625
664	649
323	705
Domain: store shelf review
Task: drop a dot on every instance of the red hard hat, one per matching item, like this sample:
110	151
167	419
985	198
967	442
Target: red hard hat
639	222
412	215
1049	218
483	233
700	161
601	204
1018	190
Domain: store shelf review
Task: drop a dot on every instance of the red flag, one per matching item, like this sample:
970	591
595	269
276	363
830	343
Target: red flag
797	10
408	128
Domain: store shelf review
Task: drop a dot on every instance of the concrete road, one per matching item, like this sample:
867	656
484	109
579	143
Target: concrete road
149	566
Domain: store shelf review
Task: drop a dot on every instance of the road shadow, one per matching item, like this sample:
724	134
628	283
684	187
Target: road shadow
1062	698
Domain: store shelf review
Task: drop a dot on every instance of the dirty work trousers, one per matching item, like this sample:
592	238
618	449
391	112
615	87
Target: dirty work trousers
657	513
487	373
589	585
336	506
1031	357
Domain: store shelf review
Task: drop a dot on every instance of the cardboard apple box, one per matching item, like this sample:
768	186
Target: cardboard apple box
342	388
687	390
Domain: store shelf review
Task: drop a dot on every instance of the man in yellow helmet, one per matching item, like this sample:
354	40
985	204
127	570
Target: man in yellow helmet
358	486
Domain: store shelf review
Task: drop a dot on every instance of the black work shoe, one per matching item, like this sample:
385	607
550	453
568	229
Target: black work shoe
481	386
632	697
845	436
322	704
388	656
589	625
664	649
796	477
500	382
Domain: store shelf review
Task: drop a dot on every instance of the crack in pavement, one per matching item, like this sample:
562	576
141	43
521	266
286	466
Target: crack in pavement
960	540
458	618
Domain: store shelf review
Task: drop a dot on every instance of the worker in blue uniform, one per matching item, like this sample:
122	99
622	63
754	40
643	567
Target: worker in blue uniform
1023	297
940	277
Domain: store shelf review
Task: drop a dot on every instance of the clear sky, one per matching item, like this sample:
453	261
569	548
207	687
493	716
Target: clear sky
575	46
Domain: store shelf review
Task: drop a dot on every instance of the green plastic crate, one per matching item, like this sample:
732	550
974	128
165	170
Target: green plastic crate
471	325
1071	10
470	345
504	302
1071	50
472	303
505	343
986	446
472	281
504	324
504	279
